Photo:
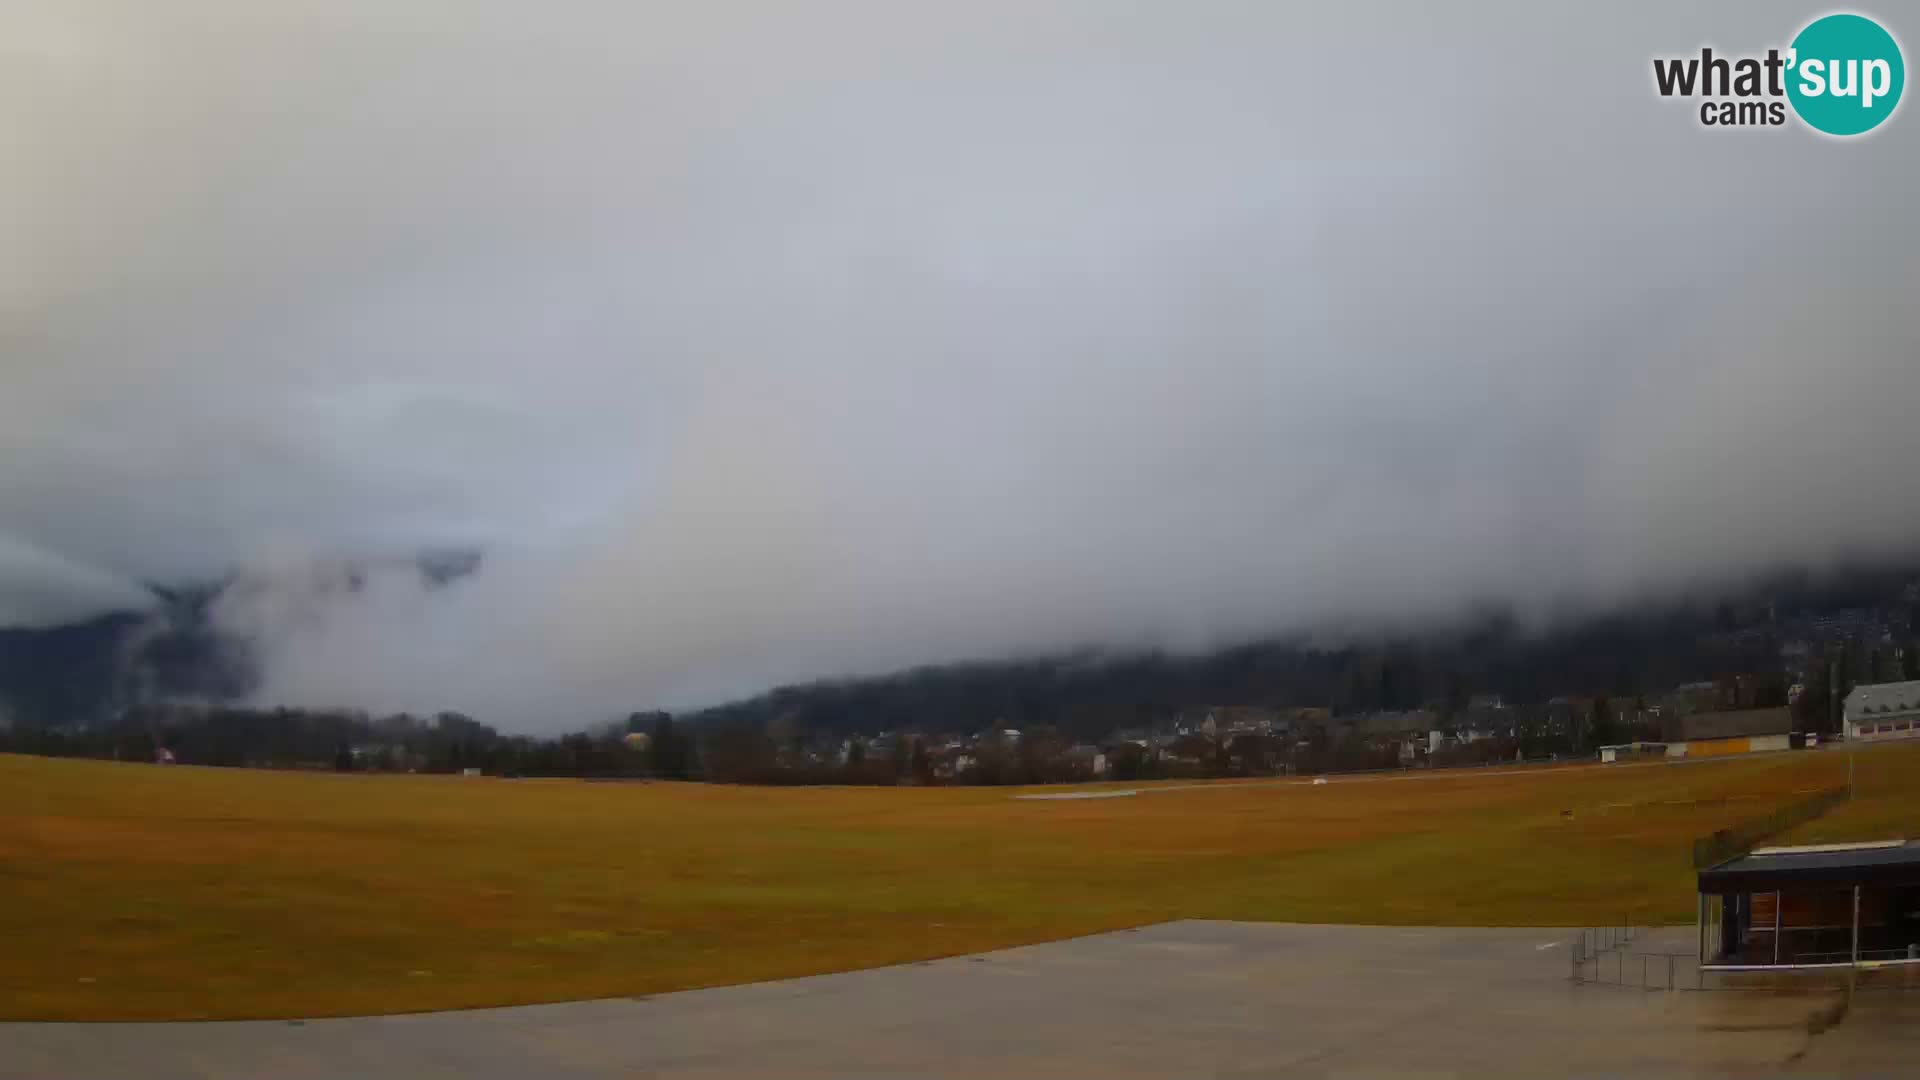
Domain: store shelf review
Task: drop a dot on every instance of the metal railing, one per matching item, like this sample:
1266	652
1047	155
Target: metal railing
1606	955
1597	939
1844	956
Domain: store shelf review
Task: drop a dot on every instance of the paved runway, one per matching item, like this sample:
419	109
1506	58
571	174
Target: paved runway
1180	999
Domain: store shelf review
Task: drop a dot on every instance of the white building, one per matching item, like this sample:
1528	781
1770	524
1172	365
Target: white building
1883	711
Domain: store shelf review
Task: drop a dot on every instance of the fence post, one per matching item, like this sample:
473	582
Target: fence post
1669	972
1856	928
1700	922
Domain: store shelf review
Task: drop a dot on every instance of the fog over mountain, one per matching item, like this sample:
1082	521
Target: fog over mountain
755	342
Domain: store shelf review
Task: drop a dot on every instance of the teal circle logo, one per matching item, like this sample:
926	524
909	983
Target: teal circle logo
1846	74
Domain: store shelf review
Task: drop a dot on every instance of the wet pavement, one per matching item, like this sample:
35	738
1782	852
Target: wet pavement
1179	999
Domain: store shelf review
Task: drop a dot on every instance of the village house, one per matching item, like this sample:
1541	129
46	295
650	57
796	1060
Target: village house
1883	711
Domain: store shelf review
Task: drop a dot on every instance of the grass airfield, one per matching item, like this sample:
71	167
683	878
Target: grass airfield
133	892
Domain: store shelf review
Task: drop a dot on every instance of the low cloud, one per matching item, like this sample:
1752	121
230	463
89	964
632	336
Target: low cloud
41	588
785	342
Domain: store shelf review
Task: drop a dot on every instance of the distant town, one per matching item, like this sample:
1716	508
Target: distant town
1778	669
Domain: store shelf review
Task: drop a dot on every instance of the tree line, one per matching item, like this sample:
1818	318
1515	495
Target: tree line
347	740
63	692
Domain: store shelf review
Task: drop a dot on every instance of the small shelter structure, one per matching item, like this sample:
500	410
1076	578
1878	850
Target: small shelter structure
1818	906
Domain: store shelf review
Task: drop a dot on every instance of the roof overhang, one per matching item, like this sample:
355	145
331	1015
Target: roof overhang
1889	863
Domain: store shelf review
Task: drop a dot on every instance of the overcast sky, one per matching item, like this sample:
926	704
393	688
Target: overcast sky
764	341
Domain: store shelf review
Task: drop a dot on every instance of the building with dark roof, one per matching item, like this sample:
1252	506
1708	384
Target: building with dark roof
1826	905
1741	731
1736	724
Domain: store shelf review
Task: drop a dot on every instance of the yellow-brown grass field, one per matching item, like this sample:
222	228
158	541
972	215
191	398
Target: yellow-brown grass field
139	892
